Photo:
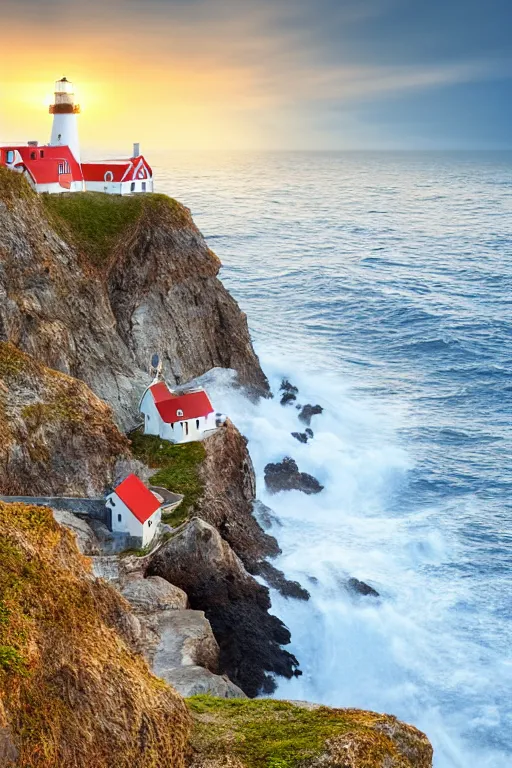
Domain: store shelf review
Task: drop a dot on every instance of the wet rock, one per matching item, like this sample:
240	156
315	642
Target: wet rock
265	516
300	436
153	594
308	411
309	432
200	562
289	392
276	579
285	476
361	588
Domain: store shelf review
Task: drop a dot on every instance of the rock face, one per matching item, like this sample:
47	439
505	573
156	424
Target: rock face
56	436
201	563
92	285
308	411
289	392
230	488
285	476
250	734
85	538
73	693
361	588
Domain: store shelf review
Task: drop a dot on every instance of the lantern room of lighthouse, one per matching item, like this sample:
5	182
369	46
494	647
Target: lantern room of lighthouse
65	111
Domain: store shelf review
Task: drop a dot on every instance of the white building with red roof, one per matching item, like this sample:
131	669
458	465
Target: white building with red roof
135	510
57	167
179	418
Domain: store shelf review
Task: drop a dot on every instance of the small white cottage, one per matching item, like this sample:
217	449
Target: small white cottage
177	418
135	509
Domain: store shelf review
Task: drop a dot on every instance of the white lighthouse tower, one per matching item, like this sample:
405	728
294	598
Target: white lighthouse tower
64	111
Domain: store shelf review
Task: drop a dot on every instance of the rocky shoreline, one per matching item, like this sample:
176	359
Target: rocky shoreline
96	648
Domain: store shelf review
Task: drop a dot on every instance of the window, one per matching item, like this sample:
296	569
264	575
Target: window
150	523
132	187
42	153
179	412
33	155
10	156
119	518
61	168
143	186
197	423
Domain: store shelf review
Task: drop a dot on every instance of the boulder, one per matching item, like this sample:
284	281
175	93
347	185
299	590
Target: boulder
194	681
308	411
289	392
361	588
200	562
186	639
86	540
285	476
153	594
300	436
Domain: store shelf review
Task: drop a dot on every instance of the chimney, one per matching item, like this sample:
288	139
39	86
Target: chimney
33	143
136	150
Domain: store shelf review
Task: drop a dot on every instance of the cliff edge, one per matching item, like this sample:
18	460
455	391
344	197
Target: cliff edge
92	285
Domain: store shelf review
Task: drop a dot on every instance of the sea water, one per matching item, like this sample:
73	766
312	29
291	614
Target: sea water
381	285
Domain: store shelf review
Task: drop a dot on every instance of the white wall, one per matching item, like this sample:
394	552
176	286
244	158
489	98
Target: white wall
153	423
110	187
129	523
56	189
150	527
66	125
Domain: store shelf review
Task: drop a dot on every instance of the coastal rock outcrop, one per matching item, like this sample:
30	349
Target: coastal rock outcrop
250	734
200	562
73	691
92	285
308	411
56	436
285	476
229	493
361	588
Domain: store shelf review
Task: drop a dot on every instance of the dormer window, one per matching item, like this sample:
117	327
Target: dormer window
179	413
33	155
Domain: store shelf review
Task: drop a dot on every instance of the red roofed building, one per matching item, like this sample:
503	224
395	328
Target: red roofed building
179	418
57	167
135	510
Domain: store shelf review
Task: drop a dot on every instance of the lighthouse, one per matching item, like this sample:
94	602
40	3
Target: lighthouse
64	111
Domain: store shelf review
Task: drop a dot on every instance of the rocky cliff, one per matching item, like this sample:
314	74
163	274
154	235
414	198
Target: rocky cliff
92	285
56	436
73	693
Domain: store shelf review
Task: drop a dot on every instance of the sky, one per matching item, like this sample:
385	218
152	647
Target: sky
262	74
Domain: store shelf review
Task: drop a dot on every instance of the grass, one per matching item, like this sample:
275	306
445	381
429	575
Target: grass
177	470
95	222
72	691
14	187
265	733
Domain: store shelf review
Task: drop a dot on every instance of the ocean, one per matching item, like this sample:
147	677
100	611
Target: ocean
381	286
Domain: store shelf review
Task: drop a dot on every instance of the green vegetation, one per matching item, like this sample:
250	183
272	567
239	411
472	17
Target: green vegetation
14	187
65	667
96	223
265	733
178	470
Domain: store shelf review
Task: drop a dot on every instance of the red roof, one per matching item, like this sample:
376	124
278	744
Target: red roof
139	499
46	165
134	169
173	408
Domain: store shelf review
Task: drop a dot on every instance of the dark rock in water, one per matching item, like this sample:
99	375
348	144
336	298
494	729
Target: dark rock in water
290	392
300	436
361	588
265	516
285	476
200	562
313	579
278	580
308	411
287	387
309	432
